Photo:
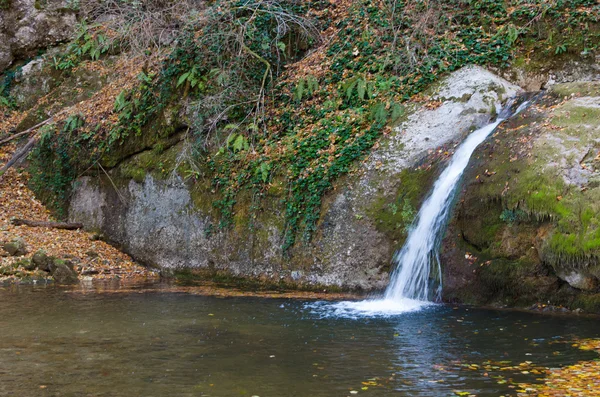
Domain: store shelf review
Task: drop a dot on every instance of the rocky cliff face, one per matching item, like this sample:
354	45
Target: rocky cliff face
27	26
526	227
164	221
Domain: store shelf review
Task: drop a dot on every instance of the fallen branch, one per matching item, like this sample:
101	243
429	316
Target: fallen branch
54	225
19	155
30	144
29	130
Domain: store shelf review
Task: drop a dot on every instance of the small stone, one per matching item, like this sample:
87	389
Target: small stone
16	247
96	237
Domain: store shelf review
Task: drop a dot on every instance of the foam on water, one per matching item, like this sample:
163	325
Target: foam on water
367	308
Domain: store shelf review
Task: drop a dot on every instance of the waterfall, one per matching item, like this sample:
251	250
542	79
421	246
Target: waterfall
419	255
411	286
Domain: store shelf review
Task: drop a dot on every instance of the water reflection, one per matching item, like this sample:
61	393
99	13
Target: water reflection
54	342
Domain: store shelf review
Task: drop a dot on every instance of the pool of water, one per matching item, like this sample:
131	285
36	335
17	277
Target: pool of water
57	342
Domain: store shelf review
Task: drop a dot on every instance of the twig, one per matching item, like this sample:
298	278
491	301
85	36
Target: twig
18	155
29	130
54	225
121	198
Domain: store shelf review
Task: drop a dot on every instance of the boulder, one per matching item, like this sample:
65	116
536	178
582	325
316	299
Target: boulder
16	247
27	26
41	260
63	272
364	220
27	264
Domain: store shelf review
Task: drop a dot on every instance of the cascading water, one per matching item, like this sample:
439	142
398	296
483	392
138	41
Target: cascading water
410	287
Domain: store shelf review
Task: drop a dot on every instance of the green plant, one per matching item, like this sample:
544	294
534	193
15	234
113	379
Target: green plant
89	42
560	49
52	169
72	123
7	102
306	88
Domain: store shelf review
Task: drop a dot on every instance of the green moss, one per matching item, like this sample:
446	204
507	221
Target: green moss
160	164
588	88
393	214
517	197
203	197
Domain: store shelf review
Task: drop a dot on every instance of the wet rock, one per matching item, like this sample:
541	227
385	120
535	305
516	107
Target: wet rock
16	247
92	254
63	272
89	270
579	280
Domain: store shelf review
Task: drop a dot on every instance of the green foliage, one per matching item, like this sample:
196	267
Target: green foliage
89	43
64	150
135	109
306	88
237	142
378	59
7	102
5	4
52	170
72	123
359	86
560	49
193	79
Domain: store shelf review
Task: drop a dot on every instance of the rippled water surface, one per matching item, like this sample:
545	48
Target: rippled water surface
57	342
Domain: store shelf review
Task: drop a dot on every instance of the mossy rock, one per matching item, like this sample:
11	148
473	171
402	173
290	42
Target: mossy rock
63	272
16	247
41	260
579	88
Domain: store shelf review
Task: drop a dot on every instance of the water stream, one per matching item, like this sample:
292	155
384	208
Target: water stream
411	286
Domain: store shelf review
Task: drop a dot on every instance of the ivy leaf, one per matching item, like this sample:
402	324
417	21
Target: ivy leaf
299	91
361	88
182	78
397	112
240	143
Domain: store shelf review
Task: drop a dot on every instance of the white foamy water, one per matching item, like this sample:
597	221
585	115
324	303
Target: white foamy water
412	286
